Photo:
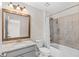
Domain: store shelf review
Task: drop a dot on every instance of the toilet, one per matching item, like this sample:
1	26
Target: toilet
44	51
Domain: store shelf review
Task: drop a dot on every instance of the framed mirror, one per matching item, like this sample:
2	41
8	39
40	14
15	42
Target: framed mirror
15	26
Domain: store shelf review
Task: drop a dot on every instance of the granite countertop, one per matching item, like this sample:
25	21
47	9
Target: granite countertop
16	45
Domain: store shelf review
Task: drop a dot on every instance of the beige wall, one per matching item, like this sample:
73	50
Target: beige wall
68	24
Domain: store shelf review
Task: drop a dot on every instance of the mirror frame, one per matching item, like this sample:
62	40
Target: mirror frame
15	38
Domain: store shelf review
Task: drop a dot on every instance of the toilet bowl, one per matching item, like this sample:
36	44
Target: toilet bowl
44	52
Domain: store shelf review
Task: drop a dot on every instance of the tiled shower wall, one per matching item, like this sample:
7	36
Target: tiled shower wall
66	30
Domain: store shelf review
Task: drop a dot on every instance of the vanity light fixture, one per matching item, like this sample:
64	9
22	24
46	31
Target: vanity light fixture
17	8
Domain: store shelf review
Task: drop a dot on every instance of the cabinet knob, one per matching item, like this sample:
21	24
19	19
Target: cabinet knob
4	54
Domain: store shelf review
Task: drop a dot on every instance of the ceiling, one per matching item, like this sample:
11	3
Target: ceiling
54	7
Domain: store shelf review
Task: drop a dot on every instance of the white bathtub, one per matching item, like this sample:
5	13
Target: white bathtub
63	51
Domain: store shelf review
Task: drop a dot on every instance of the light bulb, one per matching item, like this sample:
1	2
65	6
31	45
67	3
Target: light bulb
24	11
11	5
18	7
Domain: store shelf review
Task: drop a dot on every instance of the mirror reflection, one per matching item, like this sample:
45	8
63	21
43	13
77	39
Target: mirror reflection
16	26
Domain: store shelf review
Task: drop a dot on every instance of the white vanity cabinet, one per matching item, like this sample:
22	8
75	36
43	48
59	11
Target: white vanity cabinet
29	51
20	49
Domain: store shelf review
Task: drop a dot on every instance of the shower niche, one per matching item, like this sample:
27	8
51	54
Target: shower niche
14	25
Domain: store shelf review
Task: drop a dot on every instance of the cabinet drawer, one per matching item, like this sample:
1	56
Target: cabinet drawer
20	51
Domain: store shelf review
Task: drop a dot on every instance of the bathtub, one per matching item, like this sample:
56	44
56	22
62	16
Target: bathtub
63	51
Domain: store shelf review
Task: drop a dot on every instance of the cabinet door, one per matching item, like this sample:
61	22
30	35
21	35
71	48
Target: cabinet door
30	54
20	51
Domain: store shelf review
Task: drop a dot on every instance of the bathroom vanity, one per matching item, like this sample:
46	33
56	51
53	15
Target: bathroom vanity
15	28
19	49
